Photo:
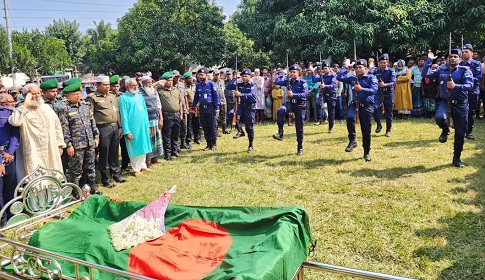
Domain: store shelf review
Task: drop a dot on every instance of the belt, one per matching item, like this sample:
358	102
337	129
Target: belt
205	106
298	101
364	105
4	147
458	102
171	114
106	124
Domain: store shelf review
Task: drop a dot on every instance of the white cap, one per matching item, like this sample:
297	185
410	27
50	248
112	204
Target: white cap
144	78
102	79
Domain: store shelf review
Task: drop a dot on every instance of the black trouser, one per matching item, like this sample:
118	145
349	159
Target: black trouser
170	133
188	137
109	143
183	130
195	127
125	158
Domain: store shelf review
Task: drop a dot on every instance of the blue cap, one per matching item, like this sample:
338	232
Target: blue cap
362	62
384	56
246	72
453	51
295	67
325	64
203	70
468	47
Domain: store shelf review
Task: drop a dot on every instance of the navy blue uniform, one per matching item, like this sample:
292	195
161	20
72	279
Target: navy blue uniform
463	79
329	95
388	76
207	97
247	107
476	69
299	87
369	86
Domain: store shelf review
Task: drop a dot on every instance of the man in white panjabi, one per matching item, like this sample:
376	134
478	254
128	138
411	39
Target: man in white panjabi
41	137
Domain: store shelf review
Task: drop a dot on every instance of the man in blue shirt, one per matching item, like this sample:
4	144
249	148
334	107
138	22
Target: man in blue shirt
387	79
455	82
246	92
473	95
328	90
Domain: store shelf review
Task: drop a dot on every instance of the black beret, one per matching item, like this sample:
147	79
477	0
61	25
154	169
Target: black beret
362	62
453	51
203	70
246	72
468	47
384	56
325	64
295	67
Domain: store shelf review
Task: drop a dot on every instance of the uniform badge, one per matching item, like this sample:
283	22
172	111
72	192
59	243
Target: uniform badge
441	82
374	80
479	68
394	73
467	75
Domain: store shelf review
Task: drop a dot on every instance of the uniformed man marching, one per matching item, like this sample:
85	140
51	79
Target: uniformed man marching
207	97
296	101
473	96
386	77
455	82
328	90
246	92
364	86
81	136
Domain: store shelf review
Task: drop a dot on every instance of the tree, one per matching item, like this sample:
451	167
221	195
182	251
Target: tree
73	39
100	32
4	49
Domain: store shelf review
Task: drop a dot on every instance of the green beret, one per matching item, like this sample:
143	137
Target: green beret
72	81
187	75
73	88
49	84
167	75
114	79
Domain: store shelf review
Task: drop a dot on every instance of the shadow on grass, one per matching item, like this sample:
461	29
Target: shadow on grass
393	173
462	235
408	144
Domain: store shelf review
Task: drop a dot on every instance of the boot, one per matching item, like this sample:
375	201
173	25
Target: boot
214	146
240	133
300	149
352	144
367	157
444	135
379	128
208	147
250	147
224	129
457	162
330	129
279	135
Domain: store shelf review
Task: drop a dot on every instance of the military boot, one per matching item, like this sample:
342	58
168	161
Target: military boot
379	128
250	147
300	149
209	146
214	146
224	129
279	135
457	162
240	133
444	135
352	144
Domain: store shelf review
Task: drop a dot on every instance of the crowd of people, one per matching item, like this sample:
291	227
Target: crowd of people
72	128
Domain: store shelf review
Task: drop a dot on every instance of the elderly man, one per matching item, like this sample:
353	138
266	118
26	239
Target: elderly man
9	143
155	119
40	130
104	107
81	136
172	112
135	125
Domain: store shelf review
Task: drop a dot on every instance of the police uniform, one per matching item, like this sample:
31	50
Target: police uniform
297	104
463	79
171	100
365	98
105	111
207	97
247	106
329	95
473	96
388	77
80	132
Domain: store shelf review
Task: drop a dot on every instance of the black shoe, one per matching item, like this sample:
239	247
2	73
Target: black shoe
277	136
197	142
444	136
226	132
119	179
207	148
351	146
238	135
379	128
189	146
330	131
299	152
183	147
388	134
108	184
470	136
175	154
250	149
167	158
95	191
214	147
457	163
367	157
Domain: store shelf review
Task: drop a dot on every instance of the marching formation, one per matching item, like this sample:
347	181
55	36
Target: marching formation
75	128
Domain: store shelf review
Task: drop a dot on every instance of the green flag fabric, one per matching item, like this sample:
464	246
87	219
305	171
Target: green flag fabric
200	243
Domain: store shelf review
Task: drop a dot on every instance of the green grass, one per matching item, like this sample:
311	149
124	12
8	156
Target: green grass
408	212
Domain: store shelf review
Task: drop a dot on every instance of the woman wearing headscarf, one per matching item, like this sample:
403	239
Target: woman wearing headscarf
403	95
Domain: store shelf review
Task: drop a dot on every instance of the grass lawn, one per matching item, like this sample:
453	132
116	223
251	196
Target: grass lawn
408	212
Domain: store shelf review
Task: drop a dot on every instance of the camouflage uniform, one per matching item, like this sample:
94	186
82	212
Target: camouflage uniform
229	96
80	131
56	105
222	120
183	122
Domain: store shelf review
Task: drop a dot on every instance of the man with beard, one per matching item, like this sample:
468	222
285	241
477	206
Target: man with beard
41	135
207	97
155	119
172	112
135	124
193	124
455	82
104	107
81	136
473	95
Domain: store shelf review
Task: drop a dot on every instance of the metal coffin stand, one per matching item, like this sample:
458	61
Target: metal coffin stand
45	196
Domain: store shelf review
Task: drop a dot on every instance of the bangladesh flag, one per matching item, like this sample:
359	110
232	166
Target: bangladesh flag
200	242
